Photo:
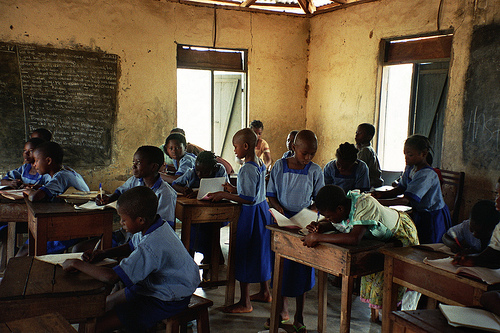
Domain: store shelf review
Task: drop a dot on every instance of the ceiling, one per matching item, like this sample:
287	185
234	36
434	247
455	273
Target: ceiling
298	7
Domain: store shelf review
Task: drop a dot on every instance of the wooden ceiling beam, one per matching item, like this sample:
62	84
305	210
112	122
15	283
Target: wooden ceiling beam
247	3
307	6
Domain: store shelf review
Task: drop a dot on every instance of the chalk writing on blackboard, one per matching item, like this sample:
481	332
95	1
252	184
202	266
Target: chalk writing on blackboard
485	129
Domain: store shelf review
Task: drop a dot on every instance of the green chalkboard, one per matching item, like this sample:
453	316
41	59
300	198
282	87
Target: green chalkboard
72	93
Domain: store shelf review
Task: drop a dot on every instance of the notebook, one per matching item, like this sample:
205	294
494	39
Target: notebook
299	221
488	275
470	317
58	259
91	205
210	185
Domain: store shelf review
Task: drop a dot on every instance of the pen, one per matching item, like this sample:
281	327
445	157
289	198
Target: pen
98	243
454	235
100	190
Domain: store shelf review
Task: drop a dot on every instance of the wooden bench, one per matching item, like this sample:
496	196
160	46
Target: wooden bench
197	309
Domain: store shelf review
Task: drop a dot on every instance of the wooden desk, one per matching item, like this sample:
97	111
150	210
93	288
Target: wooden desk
61	221
12	212
32	288
405	267
345	261
425	321
48	323
192	211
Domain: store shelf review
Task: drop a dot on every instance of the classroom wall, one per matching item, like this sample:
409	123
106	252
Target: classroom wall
144	35
344	72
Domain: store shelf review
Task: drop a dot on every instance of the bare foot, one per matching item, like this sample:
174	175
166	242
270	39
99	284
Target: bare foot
261	297
237	308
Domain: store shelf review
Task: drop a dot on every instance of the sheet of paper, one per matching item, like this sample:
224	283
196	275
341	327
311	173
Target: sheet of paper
58	259
210	185
470	317
13	194
300	220
91	205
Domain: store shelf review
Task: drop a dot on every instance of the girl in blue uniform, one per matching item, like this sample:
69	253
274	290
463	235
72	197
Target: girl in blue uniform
253	240
422	191
175	147
293	185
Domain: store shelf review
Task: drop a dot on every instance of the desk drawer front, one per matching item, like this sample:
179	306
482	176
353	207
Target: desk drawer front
211	214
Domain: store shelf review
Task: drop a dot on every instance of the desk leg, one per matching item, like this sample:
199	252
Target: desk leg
186	232
390	294
277	298
346	303
31	245
214	263
233	225
11	240
322	300
88	326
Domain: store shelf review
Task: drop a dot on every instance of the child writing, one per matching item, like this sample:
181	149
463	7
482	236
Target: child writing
175	147
289	144
293	185
422	191
159	274
347	171
364	135
362	216
26	174
253	240
147	161
473	235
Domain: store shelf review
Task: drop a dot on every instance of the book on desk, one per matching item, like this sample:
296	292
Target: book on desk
488	275
470	317
299	221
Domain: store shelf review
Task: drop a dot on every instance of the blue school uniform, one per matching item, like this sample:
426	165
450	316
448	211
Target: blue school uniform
159	275
187	162
463	233
253	240
288	154
190	178
167	197
295	190
359	179
430	213
23	173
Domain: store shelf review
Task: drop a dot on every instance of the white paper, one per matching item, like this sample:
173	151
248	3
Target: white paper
300	220
91	205
210	185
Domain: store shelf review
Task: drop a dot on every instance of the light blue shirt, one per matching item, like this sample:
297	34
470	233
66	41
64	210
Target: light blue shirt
463	233
191	180
295	189
159	265
359	179
187	162
167	196
23	173
61	181
423	188
251	183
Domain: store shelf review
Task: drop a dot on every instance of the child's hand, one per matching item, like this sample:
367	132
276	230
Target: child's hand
68	265
463	260
313	227
310	240
93	256
191	194
102	200
228	187
216	196
15	183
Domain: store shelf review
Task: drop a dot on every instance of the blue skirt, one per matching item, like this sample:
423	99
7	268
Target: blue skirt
431	226
253	244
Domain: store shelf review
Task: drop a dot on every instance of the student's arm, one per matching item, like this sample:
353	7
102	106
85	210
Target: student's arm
169	178
104	274
15	183
351	238
404	201
35	195
267	159
489	258
106	199
274	203
182	189
218	196
450	242
114	252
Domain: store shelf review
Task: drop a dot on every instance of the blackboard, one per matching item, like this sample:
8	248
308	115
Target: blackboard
481	143
72	93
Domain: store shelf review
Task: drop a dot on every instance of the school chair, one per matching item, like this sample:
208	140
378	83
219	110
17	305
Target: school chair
453	188
197	309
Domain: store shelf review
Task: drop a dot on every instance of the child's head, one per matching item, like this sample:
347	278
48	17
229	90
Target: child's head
175	146
305	146
258	127
290	139
416	149
483	219
147	161
41	133
48	157
178	130
364	133
244	141
205	164
346	154
29	147
137	208
332	203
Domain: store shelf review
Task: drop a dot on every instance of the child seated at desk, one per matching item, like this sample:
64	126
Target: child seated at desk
360	215
147	161
347	171
159	274
175	147
26	174
473	234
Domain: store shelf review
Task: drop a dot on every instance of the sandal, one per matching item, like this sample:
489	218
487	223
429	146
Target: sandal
267	324
301	329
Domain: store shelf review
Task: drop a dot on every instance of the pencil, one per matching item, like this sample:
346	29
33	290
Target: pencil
98	243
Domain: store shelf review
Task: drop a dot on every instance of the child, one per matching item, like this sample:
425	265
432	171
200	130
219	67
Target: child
26	174
158	273
253	240
289	143
474	234
422	191
146	163
41	133
347	171
362	216
293	185
262	147
175	147
364	135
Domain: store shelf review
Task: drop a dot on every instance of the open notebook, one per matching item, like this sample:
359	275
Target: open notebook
210	185
91	205
299	221
488	275
58	259
470	317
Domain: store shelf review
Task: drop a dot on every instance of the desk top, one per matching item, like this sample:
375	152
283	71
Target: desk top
41	209
27	277
184	201
431	321
13	211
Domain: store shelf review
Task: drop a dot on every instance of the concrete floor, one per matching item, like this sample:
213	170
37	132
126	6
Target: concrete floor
254	322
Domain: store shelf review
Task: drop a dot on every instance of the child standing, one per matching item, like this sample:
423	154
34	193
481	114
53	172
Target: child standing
175	147
293	185
362	216
422	191
364	135
158	273
253	240
262	147
146	163
26	174
289	144
347	171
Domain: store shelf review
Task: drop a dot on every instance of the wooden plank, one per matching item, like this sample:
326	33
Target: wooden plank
188	58
75	282
307	6
41	278
16	275
420	49
51	322
4	328
247	3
